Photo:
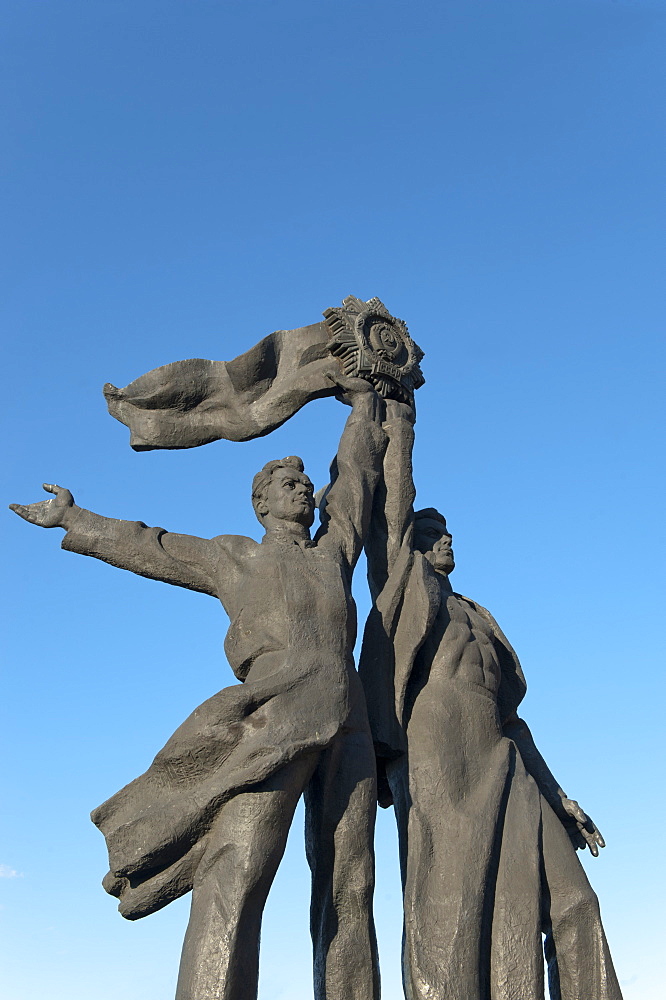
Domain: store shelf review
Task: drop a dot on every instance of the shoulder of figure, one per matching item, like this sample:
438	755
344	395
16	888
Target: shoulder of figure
477	607
235	545
499	634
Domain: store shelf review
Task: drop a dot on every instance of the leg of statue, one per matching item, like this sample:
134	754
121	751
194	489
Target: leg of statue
414	868
340	804
220	959
579	961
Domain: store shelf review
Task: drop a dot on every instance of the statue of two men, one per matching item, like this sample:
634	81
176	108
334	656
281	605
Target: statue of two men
487	837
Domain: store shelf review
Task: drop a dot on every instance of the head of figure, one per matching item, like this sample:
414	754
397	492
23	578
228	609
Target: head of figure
282	492
433	539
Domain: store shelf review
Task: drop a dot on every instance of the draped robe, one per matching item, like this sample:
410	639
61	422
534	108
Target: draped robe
441	681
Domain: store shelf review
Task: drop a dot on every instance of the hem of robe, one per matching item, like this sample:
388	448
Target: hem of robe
155	827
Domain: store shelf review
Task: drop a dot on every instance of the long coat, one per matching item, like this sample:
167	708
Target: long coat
291	637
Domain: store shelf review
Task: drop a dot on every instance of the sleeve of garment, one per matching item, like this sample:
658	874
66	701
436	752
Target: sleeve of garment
354	477
391	525
183	560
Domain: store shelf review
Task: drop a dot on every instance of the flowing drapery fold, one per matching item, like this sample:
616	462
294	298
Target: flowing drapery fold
189	403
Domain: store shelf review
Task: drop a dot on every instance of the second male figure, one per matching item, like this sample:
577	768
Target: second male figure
485	831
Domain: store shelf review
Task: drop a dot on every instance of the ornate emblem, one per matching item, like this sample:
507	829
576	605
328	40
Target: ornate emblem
372	344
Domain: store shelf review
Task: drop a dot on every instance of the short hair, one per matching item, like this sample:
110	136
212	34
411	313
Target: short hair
263	477
431	514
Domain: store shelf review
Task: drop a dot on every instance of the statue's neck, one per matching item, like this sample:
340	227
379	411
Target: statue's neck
287	531
443	578
444	582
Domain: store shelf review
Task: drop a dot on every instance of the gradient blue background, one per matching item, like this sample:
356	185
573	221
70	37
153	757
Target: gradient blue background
181	178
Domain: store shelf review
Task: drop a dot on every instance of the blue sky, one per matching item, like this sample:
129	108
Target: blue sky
181	178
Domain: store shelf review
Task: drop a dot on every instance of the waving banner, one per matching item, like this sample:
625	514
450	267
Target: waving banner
190	403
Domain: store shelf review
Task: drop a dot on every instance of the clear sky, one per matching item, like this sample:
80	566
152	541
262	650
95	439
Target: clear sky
181	178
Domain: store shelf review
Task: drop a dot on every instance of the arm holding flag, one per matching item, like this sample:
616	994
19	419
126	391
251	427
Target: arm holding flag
355	471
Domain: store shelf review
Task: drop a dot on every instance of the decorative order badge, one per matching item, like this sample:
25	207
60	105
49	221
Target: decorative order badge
370	343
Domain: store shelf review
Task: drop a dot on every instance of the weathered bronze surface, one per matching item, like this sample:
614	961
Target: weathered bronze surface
429	724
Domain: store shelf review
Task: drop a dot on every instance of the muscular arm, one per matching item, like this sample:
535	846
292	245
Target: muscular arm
578	824
391	524
357	472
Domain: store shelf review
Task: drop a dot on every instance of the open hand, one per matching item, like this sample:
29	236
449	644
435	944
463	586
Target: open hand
47	513
580	828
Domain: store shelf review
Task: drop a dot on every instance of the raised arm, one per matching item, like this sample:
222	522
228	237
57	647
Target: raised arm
183	560
391	525
578	824
355	473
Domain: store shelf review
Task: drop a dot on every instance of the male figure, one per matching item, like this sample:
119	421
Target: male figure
213	811
484	829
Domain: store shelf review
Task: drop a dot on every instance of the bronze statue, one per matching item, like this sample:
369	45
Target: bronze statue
487	836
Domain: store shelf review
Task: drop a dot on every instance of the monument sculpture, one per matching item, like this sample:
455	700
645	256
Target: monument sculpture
487	837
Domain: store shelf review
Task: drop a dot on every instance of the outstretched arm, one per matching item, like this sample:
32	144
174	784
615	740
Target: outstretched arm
183	560
578	824
391	525
356	471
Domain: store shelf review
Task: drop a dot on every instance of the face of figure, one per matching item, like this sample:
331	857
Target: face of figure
289	497
434	541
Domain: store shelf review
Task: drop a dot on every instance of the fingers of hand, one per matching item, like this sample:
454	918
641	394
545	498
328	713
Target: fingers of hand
575	810
337	379
592	836
353	384
591	842
35	512
63	497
